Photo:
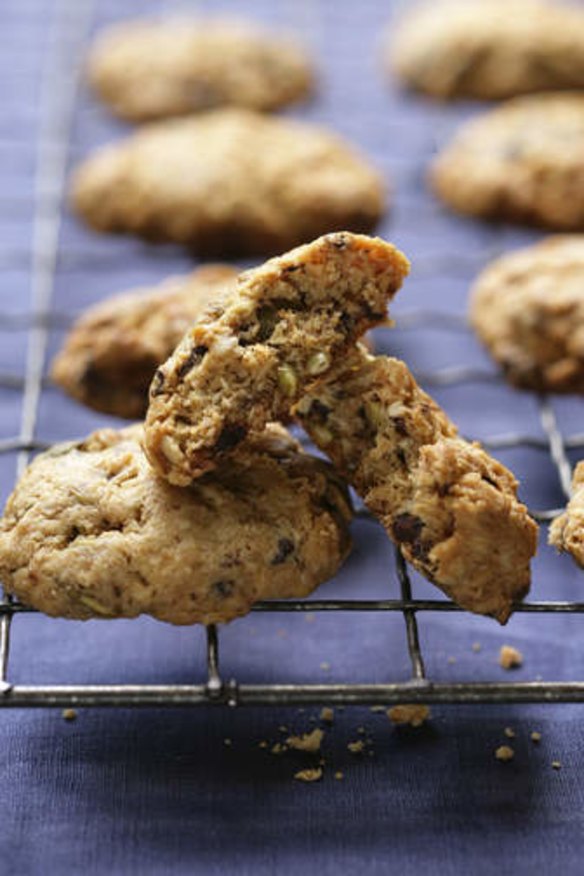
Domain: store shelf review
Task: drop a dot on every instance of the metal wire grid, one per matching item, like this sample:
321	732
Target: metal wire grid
59	100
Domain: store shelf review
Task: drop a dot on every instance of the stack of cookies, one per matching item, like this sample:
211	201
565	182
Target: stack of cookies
210	505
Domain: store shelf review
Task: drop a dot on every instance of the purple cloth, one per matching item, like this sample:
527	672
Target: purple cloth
140	792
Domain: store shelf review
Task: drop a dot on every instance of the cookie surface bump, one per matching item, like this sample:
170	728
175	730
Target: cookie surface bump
91	532
567	530
229	182
148	70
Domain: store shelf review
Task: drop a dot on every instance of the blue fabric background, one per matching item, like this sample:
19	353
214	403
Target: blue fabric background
140	792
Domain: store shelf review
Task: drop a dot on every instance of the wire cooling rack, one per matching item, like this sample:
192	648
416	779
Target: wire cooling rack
60	83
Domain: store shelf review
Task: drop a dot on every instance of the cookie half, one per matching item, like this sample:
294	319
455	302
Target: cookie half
147	70
245	363
522	162
229	182
489	50
91	532
567	530
111	353
528	309
451	508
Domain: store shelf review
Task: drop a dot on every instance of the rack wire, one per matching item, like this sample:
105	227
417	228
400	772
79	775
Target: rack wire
61	84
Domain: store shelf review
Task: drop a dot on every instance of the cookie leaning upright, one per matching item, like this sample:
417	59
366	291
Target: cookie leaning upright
527	307
451	508
91	532
521	162
147	70
248	361
229	182
490	50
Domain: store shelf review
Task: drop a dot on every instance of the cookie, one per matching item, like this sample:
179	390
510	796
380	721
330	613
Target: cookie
451	508
91	532
521	162
490	50
246	362
567	530
111	353
148	70
528	309
229	182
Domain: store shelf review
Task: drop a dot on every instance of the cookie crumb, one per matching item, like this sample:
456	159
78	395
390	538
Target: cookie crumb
69	714
262	744
535	736
279	748
361	731
309	775
476	646
282	728
414	715
451	660
509	732
325	666
327	714
356	747
504	753
339	776
556	765
307	741
510	658
227	742
377	710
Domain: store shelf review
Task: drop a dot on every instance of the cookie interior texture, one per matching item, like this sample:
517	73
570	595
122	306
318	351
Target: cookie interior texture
229	182
489	50
247	362
91	532
111	353
567	530
528	309
451	508
146	70
522	162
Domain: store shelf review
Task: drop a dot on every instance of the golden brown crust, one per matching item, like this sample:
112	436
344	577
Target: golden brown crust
146	70
229	182
111	353
247	362
506	164
451	508
490	50
528	309
90	531
567	530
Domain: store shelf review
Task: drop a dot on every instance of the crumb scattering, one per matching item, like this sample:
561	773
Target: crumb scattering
535	736
509	732
69	714
307	741
510	658
504	753
356	747
556	765
476	646
327	714
414	715
309	775
339	776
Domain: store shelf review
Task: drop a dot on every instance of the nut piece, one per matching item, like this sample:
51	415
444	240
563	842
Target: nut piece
318	363
287	380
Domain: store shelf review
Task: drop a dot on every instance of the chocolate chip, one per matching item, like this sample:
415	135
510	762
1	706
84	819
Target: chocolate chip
92	379
157	385
230	437
407	528
285	548
223	588
319	411
401	455
195	356
400	426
